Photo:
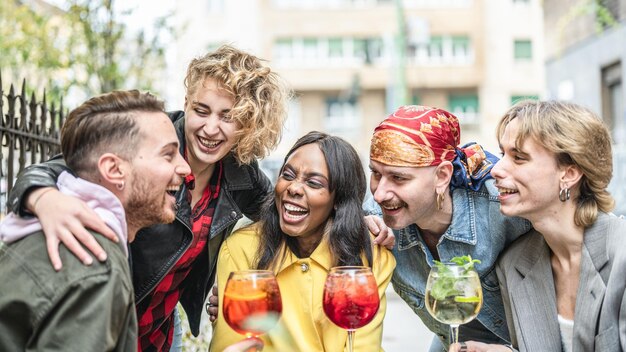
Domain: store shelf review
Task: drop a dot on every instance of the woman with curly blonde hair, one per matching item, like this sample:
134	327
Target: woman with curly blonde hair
234	112
562	283
258	95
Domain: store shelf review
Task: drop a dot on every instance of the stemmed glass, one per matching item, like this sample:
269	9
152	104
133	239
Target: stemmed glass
351	298
252	303
453	295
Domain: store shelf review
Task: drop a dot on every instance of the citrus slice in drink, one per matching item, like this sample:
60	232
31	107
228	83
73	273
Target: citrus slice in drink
472	299
245	297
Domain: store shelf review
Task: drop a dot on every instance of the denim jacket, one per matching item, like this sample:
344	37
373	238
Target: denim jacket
478	229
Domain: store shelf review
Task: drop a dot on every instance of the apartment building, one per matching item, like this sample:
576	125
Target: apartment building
586	64
352	62
586	57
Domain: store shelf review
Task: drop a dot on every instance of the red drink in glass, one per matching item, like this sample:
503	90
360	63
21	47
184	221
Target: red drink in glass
351	309
351	298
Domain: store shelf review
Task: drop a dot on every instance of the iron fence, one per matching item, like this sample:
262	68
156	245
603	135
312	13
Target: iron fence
29	133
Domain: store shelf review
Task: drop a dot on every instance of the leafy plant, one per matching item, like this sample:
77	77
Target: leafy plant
445	285
80	48
465	261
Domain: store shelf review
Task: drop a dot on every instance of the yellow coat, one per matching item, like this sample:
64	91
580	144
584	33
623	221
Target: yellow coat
303	326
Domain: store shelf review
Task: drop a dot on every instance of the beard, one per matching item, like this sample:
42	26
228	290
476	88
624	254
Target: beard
146	204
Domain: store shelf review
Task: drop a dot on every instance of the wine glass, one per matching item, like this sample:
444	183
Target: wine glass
252	303
453	295
351	298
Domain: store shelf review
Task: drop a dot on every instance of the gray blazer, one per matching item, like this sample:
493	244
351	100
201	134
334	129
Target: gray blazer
528	291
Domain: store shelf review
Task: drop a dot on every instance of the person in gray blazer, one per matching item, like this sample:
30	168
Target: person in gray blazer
563	283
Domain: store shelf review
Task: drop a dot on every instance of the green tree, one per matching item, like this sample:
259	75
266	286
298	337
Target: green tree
83	45
597	9
105	52
29	45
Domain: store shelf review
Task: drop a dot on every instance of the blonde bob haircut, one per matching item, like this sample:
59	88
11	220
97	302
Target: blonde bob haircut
260	96
577	137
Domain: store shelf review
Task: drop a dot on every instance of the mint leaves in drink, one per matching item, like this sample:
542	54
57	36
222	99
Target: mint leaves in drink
446	283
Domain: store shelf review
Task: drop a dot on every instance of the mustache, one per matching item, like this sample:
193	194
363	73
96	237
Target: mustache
393	204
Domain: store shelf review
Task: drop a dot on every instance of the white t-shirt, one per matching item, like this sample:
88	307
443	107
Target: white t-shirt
567	333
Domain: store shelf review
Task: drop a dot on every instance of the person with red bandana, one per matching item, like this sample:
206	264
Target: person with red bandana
440	200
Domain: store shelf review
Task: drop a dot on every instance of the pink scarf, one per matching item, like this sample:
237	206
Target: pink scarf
98	198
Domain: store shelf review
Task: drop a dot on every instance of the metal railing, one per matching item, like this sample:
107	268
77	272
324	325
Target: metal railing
29	134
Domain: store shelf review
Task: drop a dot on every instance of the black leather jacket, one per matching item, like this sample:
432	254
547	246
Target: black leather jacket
157	248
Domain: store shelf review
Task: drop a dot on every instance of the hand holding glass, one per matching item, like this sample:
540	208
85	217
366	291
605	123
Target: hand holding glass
351	298
252	303
453	295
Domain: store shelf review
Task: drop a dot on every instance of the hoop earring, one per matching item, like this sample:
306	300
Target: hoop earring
564	194
120	186
440	199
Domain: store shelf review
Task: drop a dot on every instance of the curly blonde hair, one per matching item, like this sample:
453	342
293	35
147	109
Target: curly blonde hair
260	95
577	136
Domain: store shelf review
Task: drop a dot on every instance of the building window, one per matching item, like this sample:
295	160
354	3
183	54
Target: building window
310	49
335	48
283	49
375	50
415	99
523	50
216	6
435	47
516	98
460	47
442	49
368	50
323	51
464	106
613	107
342	115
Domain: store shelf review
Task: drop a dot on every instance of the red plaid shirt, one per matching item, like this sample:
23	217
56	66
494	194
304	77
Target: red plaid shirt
156	322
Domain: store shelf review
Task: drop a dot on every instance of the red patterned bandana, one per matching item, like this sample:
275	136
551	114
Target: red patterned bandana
416	136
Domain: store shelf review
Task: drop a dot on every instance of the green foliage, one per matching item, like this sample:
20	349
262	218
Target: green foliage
191	343
84	46
445	286
465	261
604	18
601	15
28	43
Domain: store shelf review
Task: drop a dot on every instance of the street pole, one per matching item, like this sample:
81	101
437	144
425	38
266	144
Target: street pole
400	88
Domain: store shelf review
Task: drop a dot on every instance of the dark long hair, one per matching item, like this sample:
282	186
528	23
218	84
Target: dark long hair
348	236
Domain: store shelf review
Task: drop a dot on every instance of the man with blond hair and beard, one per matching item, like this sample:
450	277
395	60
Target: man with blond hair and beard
124	152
